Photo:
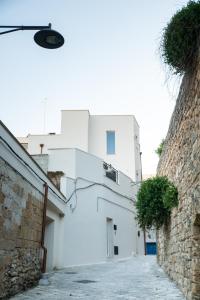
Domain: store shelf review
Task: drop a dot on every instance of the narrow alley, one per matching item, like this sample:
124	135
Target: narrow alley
132	279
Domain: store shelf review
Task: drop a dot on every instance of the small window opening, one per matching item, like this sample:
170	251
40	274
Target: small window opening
110	135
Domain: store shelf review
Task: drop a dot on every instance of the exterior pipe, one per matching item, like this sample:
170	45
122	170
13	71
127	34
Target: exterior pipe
43	267
145	250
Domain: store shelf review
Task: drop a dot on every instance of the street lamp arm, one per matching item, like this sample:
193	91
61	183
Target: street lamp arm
17	28
8	31
45	36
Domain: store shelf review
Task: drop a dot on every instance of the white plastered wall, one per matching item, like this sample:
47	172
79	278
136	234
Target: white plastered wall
74	134
85	236
74	128
85	227
88	133
123	159
54	234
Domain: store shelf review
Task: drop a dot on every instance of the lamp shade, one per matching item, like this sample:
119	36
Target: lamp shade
48	38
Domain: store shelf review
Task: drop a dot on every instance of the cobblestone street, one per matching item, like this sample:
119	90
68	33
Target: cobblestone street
132	279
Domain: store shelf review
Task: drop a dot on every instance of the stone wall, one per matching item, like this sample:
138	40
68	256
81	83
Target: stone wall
179	240
21	207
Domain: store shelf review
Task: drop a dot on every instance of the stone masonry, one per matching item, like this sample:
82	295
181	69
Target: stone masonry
179	240
21	207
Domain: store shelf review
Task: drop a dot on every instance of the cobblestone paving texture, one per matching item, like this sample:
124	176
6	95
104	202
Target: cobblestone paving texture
133	279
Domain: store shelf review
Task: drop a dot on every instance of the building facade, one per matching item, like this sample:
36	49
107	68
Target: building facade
114	138
99	159
22	198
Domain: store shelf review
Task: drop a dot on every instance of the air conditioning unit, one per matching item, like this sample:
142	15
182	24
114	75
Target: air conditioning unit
110	172
105	166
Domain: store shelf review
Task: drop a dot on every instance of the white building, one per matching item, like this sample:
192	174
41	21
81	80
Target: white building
114	138
99	221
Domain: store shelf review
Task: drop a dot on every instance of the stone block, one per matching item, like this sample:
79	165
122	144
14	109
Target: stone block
2	197
7	244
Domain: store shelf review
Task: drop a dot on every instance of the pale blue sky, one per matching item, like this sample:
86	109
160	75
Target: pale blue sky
109	64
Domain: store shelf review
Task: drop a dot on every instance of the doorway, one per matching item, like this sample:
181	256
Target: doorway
49	242
109	225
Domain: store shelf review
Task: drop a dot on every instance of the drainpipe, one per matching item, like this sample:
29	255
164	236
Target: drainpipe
145	250
41	148
43	267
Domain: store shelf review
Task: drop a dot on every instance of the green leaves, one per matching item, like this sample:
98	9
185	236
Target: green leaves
181	37
160	148
155	199
170	197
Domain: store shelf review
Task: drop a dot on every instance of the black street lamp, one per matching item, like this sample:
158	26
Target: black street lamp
45	37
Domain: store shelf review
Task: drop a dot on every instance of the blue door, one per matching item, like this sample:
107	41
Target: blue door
151	249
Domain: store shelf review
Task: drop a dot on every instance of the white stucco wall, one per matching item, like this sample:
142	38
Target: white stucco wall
88	133
151	236
74	134
85	231
54	237
137	153
123	159
49	141
74	128
63	160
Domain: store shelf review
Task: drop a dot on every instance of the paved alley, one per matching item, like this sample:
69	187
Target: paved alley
133	279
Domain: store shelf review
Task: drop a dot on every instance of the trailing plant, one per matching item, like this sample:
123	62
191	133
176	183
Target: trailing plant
155	199
159	150
180	39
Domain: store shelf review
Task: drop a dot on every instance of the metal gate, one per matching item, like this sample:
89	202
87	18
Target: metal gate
151	249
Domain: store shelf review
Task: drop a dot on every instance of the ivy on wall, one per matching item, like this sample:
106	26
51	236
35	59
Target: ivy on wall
155	199
181	38
159	150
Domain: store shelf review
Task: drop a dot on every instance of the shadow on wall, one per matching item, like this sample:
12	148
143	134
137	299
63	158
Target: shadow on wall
196	256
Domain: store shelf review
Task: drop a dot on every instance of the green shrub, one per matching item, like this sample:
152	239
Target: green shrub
155	199
160	148
181	38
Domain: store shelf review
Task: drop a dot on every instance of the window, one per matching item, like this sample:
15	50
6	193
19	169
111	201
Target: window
110	142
